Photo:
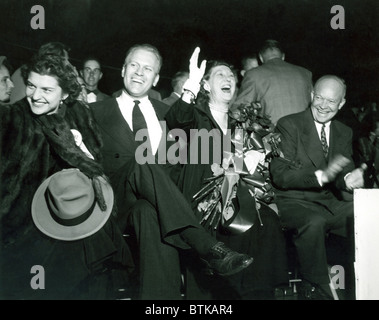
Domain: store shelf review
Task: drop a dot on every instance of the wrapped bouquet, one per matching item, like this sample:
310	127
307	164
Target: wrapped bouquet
240	187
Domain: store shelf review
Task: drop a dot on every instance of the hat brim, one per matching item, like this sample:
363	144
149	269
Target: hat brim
46	224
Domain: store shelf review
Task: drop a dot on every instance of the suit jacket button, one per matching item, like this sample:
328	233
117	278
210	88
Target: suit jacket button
117	155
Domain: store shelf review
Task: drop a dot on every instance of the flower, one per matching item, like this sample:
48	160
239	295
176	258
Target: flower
242	182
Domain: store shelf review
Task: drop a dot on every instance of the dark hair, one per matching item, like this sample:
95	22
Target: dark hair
59	69
91	58
7	65
269	48
55	49
147	47
248	57
203	95
178	77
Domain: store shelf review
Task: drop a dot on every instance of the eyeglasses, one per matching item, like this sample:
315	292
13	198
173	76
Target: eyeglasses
94	71
320	99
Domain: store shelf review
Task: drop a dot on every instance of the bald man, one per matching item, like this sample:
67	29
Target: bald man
309	189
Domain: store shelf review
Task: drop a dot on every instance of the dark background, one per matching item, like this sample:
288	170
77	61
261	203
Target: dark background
223	29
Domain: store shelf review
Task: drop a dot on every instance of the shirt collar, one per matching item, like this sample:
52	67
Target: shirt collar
319	125
129	100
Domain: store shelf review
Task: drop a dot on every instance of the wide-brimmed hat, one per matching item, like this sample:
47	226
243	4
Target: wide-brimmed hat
64	206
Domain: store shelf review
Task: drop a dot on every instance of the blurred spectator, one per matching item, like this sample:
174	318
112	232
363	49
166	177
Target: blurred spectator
92	74
249	62
177	83
280	87
6	84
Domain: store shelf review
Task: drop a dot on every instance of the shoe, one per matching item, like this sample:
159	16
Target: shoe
308	291
224	261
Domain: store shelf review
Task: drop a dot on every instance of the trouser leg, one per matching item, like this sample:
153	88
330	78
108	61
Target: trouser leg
159	266
311	221
176	221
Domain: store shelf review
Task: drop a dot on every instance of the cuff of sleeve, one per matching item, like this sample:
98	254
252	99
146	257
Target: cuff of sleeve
318	174
192	86
346	175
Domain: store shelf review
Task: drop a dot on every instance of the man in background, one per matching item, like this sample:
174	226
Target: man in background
280	87
248	62
92	74
6	84
177	83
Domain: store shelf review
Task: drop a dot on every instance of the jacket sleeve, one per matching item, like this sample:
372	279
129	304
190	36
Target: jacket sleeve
180	115
292	172
247	92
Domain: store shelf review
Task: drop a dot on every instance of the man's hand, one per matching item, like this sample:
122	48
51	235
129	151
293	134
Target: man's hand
195	73
335	166
355	180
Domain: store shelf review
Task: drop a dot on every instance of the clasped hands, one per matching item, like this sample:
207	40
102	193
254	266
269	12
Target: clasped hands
353	180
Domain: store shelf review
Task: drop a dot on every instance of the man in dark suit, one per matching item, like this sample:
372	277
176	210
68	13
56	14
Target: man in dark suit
280	87
310	182
148	201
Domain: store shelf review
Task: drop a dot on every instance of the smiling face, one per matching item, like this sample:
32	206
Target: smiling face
43	93
327	98
140	72
221	84
91	74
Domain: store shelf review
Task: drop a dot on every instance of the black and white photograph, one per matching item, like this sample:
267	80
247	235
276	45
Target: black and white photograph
189	156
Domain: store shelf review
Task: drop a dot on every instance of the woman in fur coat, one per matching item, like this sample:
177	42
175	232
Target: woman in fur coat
42	134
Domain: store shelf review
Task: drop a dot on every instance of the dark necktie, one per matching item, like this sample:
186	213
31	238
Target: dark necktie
138	118
324	141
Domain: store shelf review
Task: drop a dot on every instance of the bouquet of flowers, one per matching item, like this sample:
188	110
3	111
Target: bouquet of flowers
240	188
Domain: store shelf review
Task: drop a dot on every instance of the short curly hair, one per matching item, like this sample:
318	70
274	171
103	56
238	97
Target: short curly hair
58	68
203	95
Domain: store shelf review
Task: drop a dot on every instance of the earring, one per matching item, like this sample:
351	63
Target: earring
207	87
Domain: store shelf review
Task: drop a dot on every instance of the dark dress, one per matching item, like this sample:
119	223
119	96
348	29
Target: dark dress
265	243
72	269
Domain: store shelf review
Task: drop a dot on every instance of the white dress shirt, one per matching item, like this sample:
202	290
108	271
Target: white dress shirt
126	105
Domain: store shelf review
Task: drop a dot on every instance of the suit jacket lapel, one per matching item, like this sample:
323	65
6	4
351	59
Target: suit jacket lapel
334	140
116	126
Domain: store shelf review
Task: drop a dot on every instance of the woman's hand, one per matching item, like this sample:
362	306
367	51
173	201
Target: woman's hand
196	73
192	85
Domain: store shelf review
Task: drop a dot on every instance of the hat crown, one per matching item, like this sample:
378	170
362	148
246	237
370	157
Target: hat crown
70	194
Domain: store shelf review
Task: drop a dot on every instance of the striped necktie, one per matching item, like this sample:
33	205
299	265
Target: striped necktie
324	142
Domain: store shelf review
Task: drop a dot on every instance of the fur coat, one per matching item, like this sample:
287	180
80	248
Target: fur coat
33	148
29	156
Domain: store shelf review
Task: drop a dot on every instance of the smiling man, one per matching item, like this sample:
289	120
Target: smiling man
119	119
309	189
92	74
6	84
117	116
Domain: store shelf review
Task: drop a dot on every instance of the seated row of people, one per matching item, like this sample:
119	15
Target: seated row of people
49	131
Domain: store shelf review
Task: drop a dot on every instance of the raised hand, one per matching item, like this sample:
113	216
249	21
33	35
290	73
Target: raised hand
195	73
